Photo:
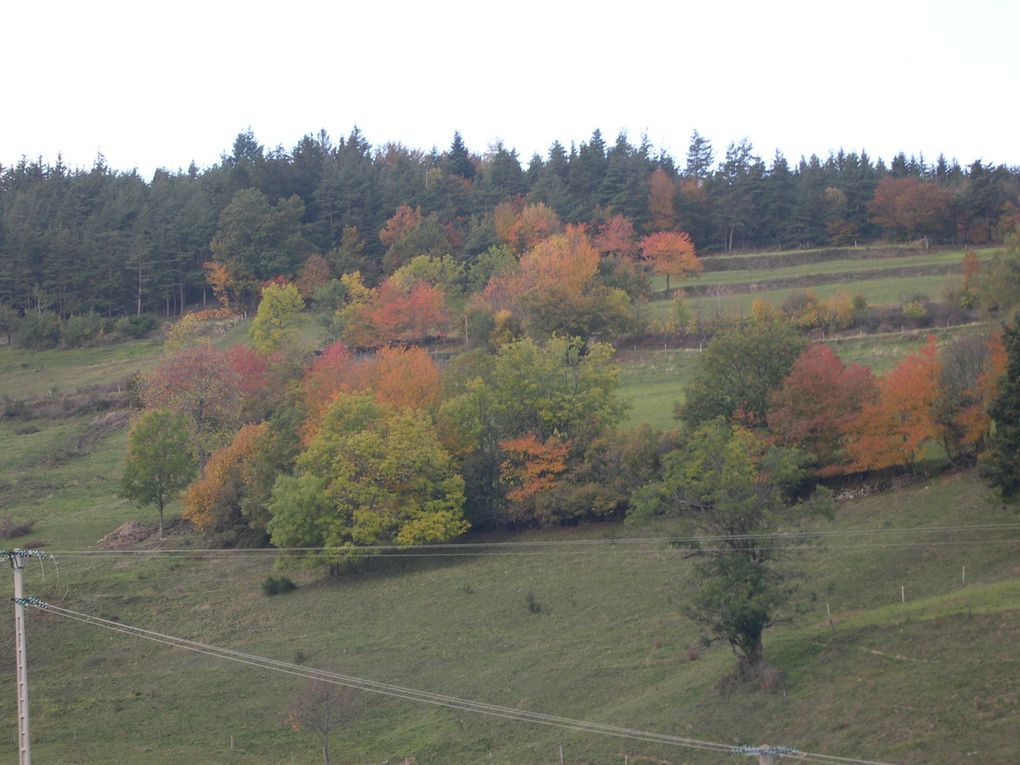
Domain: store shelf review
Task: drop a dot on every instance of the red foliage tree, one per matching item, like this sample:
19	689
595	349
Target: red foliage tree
329	374
817	404
201	384
615	236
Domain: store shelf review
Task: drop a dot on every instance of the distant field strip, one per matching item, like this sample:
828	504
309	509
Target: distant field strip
878	291
783	258
831	270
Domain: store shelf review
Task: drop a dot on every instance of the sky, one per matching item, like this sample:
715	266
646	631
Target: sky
159	85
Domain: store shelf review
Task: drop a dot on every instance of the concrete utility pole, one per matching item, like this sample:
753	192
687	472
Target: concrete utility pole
17	560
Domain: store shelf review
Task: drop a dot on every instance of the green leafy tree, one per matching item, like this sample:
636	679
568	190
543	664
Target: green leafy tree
279	305
737	370
729	485
561	388
371	474
159	460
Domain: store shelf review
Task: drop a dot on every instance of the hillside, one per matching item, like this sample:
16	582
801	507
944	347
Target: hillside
555	625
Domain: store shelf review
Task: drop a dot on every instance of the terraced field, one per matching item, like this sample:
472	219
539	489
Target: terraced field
882	276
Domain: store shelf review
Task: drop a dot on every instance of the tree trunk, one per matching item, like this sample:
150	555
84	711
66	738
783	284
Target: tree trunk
325	750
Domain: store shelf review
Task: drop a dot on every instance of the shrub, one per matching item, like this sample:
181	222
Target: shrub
39	331
82	330
135	327
277	585
10	529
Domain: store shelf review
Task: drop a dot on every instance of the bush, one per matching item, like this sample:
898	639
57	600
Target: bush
277	585
10	529
38	331
82	330
135	327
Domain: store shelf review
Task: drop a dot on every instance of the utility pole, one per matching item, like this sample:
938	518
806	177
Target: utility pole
17	560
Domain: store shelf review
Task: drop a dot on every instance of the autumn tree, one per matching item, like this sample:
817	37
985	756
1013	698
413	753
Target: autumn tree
159	460
401	377
816	405
226	493
200	384
394	314
529	468
911	208
562	389
370	474
892	429
312	275
522	226
279	306
614	237
969	369
662	200
671	253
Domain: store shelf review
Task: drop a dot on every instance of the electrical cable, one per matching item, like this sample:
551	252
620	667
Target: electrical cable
409	694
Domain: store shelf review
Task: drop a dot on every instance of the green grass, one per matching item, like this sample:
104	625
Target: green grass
653	383
885	291
836	269
25	372
921	682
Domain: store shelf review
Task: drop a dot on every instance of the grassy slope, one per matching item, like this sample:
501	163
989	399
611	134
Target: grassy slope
928	681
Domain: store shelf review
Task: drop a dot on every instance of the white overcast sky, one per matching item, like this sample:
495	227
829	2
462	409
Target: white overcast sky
153	84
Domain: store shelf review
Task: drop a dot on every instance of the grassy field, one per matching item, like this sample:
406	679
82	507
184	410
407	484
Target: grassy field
728	292
836	270
929	680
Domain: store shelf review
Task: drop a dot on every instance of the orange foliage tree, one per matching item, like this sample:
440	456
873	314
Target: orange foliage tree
524	225
403	378
566	261
671	253
215	502
970	382
314	273
661	200
394	314
818	402
909	207
531	466
892	429
403	220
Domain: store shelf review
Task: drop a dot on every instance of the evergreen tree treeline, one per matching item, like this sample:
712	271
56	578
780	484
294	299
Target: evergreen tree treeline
75	241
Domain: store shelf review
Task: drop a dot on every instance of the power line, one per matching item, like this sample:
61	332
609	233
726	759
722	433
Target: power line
625	545
427	697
